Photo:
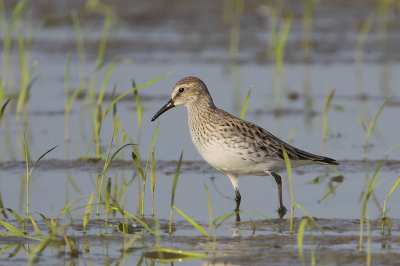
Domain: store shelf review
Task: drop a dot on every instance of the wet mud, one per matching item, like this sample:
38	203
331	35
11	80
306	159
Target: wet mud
255	241
200	166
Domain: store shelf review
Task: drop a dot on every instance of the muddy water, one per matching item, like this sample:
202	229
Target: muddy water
194	39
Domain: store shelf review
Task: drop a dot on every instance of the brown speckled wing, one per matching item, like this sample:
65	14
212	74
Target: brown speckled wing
264	142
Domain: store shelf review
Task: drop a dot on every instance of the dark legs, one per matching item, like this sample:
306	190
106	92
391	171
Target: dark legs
238	198
282	210
234	180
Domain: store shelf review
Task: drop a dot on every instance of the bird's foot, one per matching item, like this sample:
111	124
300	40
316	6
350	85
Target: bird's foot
282	211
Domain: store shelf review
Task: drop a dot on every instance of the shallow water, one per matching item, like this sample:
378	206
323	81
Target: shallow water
195	41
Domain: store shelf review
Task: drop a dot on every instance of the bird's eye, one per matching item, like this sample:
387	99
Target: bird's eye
181	89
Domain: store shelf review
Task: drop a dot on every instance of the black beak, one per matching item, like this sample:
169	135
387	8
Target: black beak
163	109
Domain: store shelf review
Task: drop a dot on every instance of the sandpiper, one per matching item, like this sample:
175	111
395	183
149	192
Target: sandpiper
232	145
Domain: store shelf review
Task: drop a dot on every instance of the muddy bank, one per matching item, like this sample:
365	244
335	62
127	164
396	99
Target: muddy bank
200	166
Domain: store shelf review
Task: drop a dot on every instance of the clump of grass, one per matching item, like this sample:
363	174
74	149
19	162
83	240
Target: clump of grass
110	106
150	162
107	163
385	220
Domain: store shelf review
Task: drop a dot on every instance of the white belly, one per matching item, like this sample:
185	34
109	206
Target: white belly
230	160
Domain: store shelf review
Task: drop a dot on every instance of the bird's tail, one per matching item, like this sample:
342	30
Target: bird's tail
326	160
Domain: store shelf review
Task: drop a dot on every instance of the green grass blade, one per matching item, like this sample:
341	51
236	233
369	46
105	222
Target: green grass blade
223	217
35	227
371	127
139	108
246	103
328	100
145	225
105	82
136	160
26	153
103	42
47	222
40	158
335	170
2	110
152	180
151	148
18	218
15	231
130	91
79	46
300	236
210	210
67	70
310	217
365	204
192	222
396	146
388	195
168	255
174	184
280	44
362	122
88	209
67	207
292	133
109	161
73	97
